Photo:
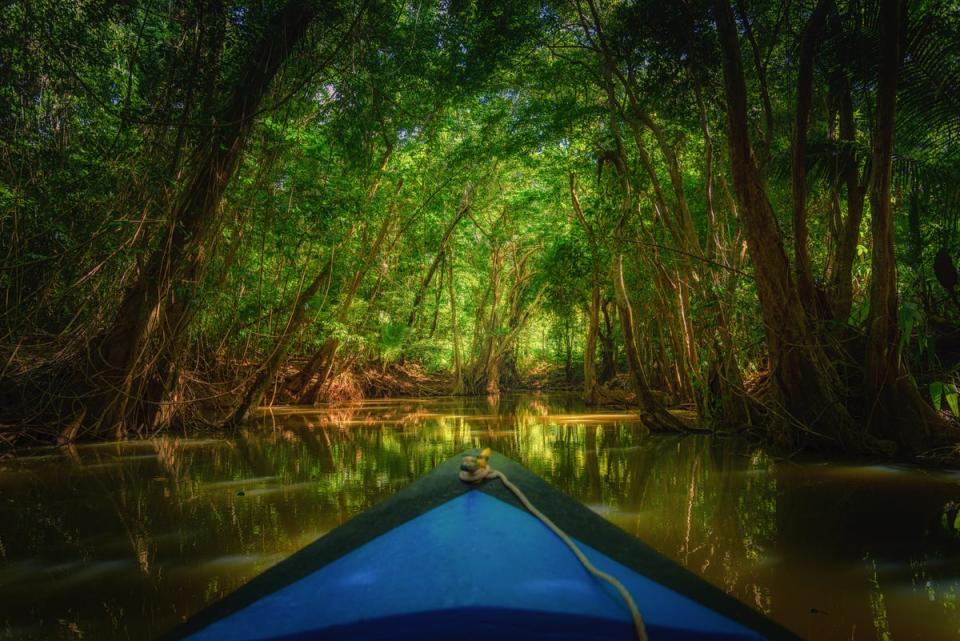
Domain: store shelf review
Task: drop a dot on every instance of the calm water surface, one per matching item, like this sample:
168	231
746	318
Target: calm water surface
123	540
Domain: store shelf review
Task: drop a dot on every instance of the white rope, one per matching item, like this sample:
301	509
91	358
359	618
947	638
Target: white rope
486	472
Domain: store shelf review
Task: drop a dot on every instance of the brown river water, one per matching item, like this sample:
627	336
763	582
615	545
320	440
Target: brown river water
123	540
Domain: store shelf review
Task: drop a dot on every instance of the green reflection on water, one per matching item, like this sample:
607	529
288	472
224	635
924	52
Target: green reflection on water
122	540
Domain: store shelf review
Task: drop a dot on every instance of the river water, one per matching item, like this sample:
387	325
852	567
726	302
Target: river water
123	540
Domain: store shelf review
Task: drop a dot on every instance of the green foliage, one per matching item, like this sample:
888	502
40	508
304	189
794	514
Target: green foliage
392	337
940	392
392	116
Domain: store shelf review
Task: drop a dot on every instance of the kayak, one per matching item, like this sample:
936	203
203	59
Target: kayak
445	559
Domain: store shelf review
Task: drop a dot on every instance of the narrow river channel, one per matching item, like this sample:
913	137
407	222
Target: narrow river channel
123	540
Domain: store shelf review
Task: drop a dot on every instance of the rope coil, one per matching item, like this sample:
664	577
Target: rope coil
476	469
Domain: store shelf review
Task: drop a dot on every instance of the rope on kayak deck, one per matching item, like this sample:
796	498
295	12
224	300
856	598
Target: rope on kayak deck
476	469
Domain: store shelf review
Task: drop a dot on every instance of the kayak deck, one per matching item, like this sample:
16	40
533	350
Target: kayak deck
444	559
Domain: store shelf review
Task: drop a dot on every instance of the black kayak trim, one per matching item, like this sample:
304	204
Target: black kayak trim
441	485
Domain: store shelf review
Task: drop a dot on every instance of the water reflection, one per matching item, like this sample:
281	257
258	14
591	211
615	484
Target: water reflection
121	541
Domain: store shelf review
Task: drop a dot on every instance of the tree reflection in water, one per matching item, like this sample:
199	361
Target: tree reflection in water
122	540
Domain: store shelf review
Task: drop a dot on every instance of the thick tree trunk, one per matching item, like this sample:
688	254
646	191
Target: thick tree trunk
124	359
883	331
804	381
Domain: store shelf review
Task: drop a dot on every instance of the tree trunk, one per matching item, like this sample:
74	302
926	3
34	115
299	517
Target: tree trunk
462	210
494	345
268	369
651	412
804	381
895	409
591	387
808	44
608	355
477	380
124	359
455	332
321	363
841	277
677	218
760	68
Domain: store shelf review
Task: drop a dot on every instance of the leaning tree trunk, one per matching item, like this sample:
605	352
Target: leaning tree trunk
462	210
268	369
322	362
677	218
652	413
123	360
804	382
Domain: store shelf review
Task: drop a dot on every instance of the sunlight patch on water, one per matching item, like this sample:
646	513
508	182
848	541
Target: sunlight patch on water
233	562
592	418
